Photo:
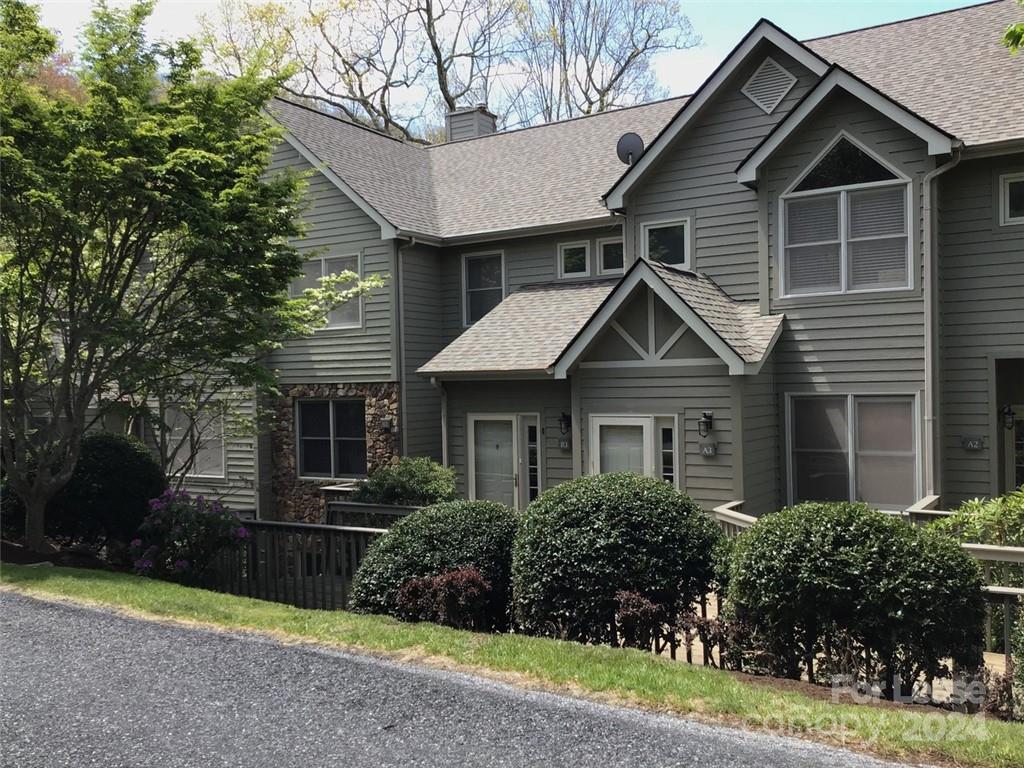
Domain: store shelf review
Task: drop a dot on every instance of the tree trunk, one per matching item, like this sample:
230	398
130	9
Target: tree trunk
35	526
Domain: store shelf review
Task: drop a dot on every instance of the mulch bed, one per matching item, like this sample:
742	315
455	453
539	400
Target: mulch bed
12	552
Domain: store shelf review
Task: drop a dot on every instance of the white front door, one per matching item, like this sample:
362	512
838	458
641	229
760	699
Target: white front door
505	458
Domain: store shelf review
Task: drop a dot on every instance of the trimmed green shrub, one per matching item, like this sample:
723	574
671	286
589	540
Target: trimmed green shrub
182	535
818	588
434	540
1018	668
585	541
414	482
106	498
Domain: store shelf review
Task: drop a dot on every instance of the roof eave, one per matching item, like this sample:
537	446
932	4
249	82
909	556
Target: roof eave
939	141
764	30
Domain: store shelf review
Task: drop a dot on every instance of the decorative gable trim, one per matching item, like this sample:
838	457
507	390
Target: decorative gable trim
388	231
642	274
764	30
939	141
769	84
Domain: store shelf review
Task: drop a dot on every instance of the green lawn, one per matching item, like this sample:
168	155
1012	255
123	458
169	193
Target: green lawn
631	677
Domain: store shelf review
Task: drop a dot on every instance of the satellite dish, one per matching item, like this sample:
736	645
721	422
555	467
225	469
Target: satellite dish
629	148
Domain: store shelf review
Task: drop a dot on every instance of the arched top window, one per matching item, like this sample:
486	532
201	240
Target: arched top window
845	225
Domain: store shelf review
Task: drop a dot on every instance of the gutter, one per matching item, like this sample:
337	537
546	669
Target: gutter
930	328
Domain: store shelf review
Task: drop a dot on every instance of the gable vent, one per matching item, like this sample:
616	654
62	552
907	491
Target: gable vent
768	86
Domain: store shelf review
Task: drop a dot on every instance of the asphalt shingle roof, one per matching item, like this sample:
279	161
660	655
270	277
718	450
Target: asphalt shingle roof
525	333
950	68
531	328
739	324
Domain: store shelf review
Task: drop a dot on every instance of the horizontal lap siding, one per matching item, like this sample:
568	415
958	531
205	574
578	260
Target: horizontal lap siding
761	443
337	226
852	342
697	178
422	339
981	314
548	398
685	392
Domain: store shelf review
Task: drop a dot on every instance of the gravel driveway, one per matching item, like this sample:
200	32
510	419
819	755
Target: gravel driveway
83	687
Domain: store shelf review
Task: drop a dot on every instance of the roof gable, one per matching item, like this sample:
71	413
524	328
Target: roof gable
939	142
764	30
737	333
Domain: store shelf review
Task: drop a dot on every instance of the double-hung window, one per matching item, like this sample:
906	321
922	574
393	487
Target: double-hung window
646	445
195	441
1011	199
483	280
574	259
347	315
845	226
331	438
853	448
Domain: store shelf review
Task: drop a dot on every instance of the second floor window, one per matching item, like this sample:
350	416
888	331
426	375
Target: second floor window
483	278
611	256
196	441
349	314
1011	202
331	438
667	242
845	227
573	259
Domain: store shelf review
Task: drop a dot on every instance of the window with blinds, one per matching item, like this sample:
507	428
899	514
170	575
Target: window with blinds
846	227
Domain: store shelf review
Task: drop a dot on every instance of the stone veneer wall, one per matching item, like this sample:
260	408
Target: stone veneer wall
302	500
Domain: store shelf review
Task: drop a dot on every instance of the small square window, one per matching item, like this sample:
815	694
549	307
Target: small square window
611	255
1011	203
573	259
667	242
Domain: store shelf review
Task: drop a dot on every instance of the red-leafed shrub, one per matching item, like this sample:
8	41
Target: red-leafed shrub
456	598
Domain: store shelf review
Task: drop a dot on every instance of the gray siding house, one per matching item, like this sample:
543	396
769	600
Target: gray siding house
810	285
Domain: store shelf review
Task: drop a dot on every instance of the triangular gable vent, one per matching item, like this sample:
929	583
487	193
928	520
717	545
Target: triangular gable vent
768	86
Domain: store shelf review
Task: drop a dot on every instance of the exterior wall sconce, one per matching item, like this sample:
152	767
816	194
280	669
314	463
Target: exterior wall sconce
386	425
1009	417
706	423
565	423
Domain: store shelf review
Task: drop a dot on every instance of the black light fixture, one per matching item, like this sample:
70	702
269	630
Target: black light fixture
565	423
1009	417
706	423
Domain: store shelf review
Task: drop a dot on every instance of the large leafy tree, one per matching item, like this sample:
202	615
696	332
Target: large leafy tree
141	241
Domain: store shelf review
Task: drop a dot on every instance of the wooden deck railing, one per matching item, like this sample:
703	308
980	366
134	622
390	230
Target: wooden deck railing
309	566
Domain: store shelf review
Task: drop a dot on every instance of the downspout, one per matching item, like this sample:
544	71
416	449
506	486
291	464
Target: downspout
930	325
444	418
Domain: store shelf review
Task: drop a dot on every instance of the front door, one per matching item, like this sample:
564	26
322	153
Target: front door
1013	450
505	458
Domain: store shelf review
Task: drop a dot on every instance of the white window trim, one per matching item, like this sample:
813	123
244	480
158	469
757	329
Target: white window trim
652	449
1005	220
843	192
775	105
851	431
330	421
647	226
601	243
521	461
562	247
465	295
359	299
194	431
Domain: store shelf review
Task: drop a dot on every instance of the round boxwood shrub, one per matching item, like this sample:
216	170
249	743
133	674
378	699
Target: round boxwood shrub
415	482
584	542
818	587
435	540
108	494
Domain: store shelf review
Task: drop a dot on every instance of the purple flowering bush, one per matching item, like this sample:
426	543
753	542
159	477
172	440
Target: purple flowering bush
180	537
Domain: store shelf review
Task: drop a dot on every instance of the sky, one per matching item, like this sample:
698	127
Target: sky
721	24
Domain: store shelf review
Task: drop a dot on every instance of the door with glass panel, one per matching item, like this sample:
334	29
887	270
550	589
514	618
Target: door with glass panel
493	458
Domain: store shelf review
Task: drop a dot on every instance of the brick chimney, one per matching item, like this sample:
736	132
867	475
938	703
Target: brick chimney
469	123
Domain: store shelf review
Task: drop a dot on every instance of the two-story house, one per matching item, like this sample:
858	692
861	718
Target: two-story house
808	285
